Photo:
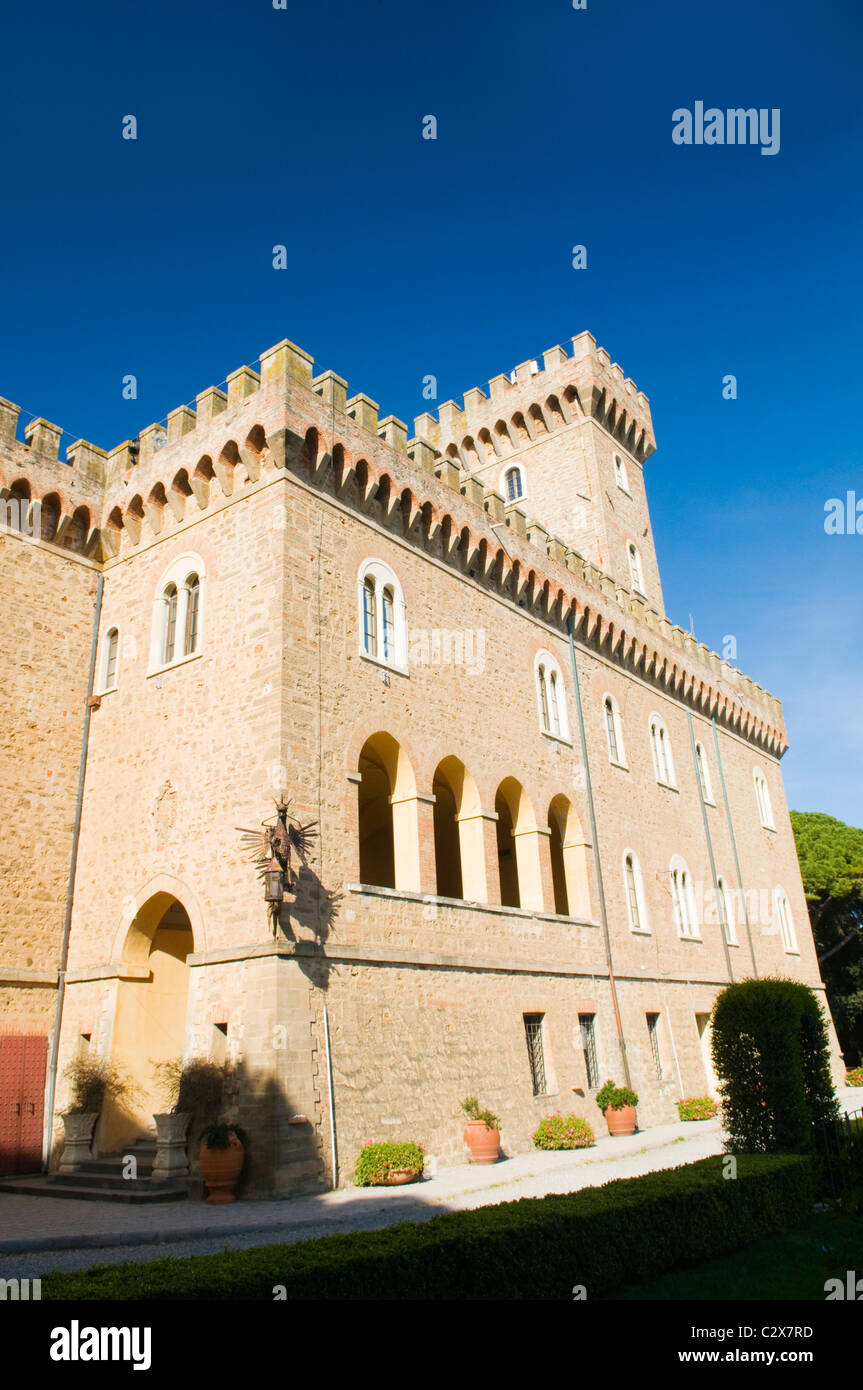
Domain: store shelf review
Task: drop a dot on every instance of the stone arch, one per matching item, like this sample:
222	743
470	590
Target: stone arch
50	516
387	815
181	489
134	518
150	1016
458	833
202	480
77	532
517	847
225	466
569	861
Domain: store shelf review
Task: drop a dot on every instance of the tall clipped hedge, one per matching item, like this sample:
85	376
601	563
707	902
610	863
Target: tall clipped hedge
772	1055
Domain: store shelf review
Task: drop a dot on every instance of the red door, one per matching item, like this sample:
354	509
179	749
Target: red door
22	1102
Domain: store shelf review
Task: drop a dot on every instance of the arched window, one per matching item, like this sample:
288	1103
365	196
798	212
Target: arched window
703	769
762	800
614	731
633	885
170	599
177	613
620	475
458	828
660	746
635	569
551	697
518	860
728	909
683	900
382	622
193	599
108	670
513	484
785	921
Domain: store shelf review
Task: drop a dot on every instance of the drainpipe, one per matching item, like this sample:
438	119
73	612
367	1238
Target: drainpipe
734	847
719	896
51	1081
332	1103
602	908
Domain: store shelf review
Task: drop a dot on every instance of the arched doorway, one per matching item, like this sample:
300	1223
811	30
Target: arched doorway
150	1018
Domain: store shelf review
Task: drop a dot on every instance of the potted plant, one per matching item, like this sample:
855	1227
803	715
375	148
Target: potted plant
389	1164
481	1133
563	1132
618	1103
191	1089
91	1080
221	1157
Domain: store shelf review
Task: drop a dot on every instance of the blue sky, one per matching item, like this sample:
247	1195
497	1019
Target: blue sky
452	257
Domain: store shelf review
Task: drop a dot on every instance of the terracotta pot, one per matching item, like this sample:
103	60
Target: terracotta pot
484	1143
171	1131
221	1169
78	1132
397	1176
621	1121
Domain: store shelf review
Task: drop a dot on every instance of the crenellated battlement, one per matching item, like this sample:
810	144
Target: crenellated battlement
533	400
284	417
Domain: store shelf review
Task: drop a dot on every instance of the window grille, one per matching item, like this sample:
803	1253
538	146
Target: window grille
588	1042
533	1035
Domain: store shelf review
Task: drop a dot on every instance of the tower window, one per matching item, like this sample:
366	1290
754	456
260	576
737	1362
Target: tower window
635	569
513	484
382	620
653	1033
620	475
551	697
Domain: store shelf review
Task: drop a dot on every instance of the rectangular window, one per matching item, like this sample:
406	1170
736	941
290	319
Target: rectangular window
588	1042
533	1035
653	1031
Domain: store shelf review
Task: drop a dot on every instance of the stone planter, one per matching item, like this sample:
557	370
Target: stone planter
171	1158
78	1135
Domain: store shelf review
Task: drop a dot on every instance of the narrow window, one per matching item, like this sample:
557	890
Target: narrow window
112	639
632	893
703	775
588	1043
762	797
726	907
193	597
170	622
543	698
533	1036
552	696
635	569
514	485
370	624
653	1033
684	905
620	474
388	615
786	924
611	730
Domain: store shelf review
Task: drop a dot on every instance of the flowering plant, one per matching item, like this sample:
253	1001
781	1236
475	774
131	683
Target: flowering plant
697	1108
563	1132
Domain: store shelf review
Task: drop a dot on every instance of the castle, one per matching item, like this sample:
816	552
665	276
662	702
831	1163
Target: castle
551	824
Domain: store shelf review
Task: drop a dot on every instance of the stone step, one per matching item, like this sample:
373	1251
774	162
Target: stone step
68	1188
84	1178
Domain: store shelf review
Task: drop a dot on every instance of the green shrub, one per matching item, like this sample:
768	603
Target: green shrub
615	1097
697	1108
377	1160
602	1237
218	1134
854	1077
771	1052
470	1106
563	1132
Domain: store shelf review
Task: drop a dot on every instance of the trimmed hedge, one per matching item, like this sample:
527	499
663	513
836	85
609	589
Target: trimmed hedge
537	1248
772	1055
